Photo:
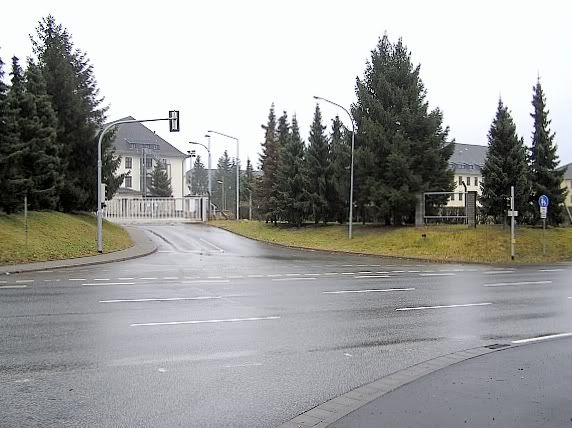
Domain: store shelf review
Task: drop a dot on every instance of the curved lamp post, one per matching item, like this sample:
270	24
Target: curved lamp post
237	170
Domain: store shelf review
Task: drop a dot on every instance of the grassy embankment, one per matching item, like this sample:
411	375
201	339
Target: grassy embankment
454	243
53	236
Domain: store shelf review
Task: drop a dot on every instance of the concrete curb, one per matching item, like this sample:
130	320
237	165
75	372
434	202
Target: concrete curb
333	410
142	246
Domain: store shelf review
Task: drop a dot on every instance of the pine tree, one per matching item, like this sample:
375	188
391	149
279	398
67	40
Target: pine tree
268	162
292	199
318	168
505	166
200	179
73	89
401	147
37	125
546	179
15	180
223	179
6	133
160	182
340	159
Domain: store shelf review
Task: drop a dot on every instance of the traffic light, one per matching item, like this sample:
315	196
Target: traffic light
174	121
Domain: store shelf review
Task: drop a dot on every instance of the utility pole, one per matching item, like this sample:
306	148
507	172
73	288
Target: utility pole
512	239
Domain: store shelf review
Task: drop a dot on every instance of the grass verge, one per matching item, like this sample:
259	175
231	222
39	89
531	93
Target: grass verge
451	243
55	236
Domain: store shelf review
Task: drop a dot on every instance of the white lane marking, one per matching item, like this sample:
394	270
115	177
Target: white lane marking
503	284
437	274
397	271
51	280
24	281
162	370
111	283
312	274
101	279
76	279
212	245
150	324
165	251
235	276
255	276
125	278
371	276
2	287
383	272
550	270
347	355
170	277
207	281
444	306
413	271
494	272
293	279
347	273
570	297
148	278
160	299
538	339
368	291
230	366
214	277
293	274
331	273
364	272
362	265
3	282
276	275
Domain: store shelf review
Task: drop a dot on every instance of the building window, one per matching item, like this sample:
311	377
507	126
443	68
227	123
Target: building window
149	162
468	181
460	196
476	181
128	162
129	182
460	180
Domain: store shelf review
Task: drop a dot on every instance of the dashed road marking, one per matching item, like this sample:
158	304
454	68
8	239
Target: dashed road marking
148	278
170	277
539	338
444	306
550	270
371	276
77	279
159	299
507	284
207	281
2	287
437	274
230	320
293	279
110	283
368	291
24	281
101	279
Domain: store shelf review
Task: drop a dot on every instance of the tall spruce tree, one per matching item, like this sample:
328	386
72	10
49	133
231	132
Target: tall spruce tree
15	181
200	179
37	126
546	179
6	133
247	182
340	159
318	168
292	199
401	146
71	83
223	180
268	161
505	166
160	182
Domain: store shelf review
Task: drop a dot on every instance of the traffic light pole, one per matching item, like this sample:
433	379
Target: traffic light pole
100	194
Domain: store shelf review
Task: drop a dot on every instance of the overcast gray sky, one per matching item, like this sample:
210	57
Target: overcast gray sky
222	63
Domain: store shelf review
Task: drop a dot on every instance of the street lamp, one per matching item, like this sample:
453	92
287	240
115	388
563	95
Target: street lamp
237	171
209	164
352	161
221	181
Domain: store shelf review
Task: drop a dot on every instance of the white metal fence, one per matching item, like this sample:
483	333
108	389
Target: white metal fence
156	210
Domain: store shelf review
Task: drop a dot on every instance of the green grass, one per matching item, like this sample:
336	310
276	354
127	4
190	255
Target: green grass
54	235
452	243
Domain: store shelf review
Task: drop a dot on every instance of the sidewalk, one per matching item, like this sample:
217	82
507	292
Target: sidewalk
517	386
142	246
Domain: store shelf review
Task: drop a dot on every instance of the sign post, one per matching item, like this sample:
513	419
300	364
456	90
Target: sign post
543	202
512	216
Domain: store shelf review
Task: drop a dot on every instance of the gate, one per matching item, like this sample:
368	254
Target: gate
157	210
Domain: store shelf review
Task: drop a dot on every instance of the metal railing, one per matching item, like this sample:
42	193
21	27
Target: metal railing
156	210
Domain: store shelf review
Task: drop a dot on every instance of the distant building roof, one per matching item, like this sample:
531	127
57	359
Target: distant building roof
132	137
568	173
468	157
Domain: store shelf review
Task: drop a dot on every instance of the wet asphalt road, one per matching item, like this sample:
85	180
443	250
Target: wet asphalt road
218	330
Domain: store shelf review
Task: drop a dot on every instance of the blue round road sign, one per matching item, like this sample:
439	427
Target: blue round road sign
543	201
